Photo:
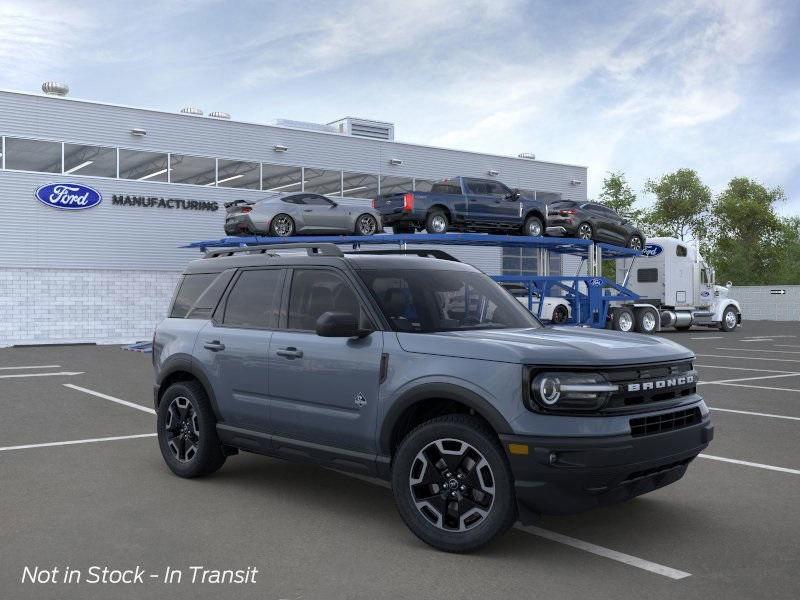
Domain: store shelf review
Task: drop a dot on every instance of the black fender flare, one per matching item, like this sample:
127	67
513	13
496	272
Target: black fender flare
442	391
182	363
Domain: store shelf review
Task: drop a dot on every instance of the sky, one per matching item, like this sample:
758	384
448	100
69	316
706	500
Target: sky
639	87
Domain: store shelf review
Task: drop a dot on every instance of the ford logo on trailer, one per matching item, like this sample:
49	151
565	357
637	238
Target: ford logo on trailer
68	196
652	250
596	282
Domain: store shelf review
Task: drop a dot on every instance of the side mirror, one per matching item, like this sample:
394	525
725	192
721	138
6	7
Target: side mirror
339	324
334	204
514	195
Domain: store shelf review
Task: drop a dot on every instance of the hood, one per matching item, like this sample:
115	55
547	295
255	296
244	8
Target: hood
720	291
547	346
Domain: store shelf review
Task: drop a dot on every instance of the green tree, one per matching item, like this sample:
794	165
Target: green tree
750	243
681	206
618	195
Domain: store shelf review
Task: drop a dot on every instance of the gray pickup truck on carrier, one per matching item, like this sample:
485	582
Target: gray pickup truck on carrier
424	372
465	204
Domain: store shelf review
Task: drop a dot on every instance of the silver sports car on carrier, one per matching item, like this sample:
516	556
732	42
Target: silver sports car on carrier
283	215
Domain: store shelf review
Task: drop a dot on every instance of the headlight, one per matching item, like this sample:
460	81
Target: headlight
570	391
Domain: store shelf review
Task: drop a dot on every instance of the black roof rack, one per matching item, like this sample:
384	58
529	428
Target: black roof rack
424	253
324	249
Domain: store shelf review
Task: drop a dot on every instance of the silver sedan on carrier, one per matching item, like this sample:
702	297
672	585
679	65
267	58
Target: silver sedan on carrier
283	215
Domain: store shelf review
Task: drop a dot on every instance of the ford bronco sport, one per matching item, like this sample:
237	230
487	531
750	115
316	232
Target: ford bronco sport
424	372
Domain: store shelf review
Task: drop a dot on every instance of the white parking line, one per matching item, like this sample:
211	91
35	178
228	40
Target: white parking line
748	358
787	346
707	337
735	380
759	350
755	414
553	536
74	442
111	398
760	387
18	375
745	369
750	464
756	340
30	367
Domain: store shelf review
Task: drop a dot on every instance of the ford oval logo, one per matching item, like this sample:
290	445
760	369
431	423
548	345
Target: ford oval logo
595	282
652	250
68	196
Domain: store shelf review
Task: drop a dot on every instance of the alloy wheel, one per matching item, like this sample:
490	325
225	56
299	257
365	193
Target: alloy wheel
182	429
282	225
366	225
452	485
585	231
534	228
439	224
635	243
625	322
730	319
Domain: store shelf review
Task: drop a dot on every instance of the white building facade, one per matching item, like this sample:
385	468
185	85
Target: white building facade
106	274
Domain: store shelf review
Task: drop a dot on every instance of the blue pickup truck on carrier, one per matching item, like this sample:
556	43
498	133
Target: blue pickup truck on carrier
464	204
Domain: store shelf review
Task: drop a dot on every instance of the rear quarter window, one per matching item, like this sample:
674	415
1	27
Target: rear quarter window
446	187
199	294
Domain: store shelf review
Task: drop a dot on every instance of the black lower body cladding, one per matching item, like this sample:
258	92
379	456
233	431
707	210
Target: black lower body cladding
560	476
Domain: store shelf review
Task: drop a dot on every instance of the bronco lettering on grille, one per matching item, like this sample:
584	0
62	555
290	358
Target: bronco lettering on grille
660	384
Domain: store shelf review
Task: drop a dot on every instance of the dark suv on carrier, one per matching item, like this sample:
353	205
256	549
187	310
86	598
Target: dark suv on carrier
422	371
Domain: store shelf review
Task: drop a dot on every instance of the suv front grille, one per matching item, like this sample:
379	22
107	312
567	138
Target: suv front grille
647	384
667	422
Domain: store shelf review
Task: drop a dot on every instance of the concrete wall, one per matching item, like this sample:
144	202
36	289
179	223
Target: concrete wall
759	304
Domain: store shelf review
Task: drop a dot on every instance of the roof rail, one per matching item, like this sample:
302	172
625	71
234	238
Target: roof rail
324	249
422	252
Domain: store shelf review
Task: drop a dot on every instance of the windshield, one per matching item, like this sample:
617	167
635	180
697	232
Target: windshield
424	301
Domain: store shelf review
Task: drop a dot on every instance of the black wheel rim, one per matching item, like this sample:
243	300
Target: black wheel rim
282	226
366	225
560	315
452	485
182	429
585	232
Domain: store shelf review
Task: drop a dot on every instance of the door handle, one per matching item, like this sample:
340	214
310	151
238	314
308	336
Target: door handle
290	352
214	346
307	210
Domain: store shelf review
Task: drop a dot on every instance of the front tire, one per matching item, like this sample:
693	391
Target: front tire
282	226
187	431
730	320
533	227
366	225
452	484
436	222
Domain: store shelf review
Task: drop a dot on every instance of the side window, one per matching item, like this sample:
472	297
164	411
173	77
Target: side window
497	189
647	275
254	300
298	199
475	186
680	250
703	276
315	200
191	288
317	291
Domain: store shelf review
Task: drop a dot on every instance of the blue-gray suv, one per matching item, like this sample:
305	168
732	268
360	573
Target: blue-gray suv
422	371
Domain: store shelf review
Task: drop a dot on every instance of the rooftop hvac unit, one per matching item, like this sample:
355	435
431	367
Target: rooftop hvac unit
219	115
303	125
527	155
192	110
376	130
53	88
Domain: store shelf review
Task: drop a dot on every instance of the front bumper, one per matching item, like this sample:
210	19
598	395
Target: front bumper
566	475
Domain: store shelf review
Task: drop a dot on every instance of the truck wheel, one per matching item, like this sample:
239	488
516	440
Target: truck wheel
623	320
436	222
646	320
560	314
585	231
533	227
453	485
398	229
187	431
729	319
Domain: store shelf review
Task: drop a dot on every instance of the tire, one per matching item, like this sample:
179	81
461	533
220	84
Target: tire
635	242
282	225
463	438
533	227
560	314
730	319
585	231
366	225
436	221
623	320
188	402
399	229
646	321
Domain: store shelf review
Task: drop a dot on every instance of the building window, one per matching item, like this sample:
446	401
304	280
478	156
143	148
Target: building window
321	181
196	170
279	178
238	174
396	185
90	160
143	166
359	185
33	155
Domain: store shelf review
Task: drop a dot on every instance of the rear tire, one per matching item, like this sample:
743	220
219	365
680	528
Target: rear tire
436	221
584	232
623	320
635	242
464	502
646	320
560	314
187	431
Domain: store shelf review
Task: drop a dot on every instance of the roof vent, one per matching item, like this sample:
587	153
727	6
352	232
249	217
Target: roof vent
53	88
527	155
219	115
192	110
376	130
